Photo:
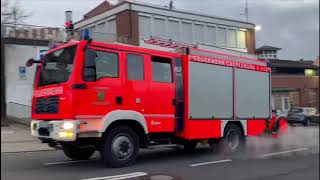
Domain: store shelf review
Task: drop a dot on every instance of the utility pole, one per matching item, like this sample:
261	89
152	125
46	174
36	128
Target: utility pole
246	11
15	19
69	25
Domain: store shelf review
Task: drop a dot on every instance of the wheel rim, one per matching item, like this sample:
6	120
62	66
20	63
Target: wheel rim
233	140
122	146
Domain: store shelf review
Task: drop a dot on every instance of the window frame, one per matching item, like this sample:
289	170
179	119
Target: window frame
171	69
143	67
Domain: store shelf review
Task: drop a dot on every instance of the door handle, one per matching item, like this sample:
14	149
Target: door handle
118	100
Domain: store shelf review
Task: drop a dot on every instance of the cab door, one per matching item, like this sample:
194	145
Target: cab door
103	91
136	86
160	109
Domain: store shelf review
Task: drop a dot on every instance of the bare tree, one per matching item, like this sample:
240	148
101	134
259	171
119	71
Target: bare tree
12	15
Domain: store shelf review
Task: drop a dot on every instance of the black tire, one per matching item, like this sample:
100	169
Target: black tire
306	122
120	137
189	146
75	152
233	140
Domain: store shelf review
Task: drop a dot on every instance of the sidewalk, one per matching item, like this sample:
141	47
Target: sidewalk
16	137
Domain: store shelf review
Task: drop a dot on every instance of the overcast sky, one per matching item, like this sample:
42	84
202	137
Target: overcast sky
292	25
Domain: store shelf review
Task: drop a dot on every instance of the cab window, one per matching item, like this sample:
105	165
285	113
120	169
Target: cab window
106	64
134	67
100	64
161	69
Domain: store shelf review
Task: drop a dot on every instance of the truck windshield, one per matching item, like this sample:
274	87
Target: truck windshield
57	67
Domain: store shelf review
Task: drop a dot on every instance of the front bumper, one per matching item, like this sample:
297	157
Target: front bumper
65	130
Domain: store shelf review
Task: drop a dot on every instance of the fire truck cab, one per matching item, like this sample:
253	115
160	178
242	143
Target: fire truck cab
115	99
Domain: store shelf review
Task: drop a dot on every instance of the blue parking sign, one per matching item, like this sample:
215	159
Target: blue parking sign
22	72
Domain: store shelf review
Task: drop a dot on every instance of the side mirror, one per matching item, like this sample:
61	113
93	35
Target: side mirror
30	62
90	56
89	74
89	71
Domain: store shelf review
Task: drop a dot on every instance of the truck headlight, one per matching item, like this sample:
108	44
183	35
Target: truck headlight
67	125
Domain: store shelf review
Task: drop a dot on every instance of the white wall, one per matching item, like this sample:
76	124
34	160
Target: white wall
19	89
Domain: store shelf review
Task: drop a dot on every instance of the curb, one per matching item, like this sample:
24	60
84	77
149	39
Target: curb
22	121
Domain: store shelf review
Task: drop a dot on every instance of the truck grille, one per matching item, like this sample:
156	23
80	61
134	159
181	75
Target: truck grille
43	132
49	105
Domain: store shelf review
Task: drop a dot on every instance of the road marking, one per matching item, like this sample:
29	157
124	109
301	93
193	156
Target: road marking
67	162
212	162
284	152
7	132
119	177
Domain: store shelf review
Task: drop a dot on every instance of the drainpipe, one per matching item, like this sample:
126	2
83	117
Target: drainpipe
130	21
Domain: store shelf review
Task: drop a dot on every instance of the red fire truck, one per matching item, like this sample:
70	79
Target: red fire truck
92	96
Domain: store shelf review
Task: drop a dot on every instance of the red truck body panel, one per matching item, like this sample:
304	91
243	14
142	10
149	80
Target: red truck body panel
154	100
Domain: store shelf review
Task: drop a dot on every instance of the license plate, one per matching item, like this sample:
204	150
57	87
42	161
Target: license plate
43	124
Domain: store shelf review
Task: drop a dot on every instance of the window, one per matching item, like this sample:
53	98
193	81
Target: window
278	103
58	66
134	67
173	29
159	27
241	39
286	103
231	38
112	30
199	33
100	35
161	69
92	30
145	26
187	32
106	64
221	37
211	35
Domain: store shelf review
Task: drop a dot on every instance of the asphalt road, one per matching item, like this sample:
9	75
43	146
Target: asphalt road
295	156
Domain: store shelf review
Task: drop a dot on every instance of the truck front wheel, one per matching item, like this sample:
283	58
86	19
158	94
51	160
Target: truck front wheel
121	147
75	152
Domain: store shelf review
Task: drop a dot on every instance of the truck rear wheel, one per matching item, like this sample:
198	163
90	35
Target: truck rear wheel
75	152
232	141
121	147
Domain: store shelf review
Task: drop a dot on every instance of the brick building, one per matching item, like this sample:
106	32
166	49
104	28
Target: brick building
131	22
295	83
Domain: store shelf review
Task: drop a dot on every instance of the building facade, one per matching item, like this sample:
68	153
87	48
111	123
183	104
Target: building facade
267	52
294	84
131	22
